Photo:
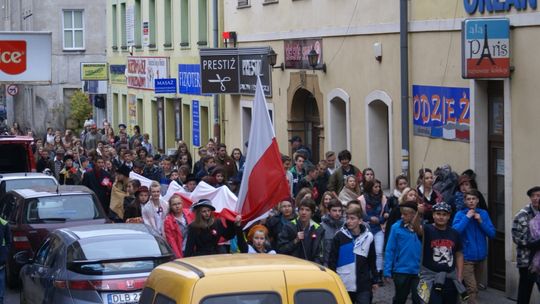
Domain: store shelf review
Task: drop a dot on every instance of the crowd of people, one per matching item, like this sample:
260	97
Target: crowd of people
429	237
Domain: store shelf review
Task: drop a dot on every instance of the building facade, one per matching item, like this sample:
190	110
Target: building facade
483	124
78	36
148	40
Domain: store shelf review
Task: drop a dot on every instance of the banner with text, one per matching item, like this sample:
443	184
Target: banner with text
142	71
441	112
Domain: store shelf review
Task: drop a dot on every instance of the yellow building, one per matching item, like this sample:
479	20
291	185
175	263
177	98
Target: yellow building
154	39
487	125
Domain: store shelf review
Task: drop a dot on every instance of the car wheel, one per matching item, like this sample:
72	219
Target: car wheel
11	278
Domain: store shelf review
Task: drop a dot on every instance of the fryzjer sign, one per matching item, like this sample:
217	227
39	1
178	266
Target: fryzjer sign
486	48
25	57
234	71
142	71
441	112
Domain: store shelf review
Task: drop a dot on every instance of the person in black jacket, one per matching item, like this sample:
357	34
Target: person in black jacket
303	237
353	257
205	231
276	223
99	181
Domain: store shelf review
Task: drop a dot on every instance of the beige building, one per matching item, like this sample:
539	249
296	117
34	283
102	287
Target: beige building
154	39
356	103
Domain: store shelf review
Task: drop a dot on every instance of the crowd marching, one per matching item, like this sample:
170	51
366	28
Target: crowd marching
428	238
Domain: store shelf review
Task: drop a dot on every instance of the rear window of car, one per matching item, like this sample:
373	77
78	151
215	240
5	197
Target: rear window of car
314	297
29	183
116	256
241	298
61	208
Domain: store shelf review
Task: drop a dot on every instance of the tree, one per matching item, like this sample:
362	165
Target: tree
81	108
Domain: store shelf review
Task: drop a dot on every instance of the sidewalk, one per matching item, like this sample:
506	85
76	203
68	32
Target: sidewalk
384	296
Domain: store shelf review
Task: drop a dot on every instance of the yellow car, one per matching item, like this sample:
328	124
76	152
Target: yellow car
243	279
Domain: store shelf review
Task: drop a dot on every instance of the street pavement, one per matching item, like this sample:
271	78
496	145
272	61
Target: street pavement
382	296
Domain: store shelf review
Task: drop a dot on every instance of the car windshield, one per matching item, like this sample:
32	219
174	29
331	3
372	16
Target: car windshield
61	208
116	256
29	183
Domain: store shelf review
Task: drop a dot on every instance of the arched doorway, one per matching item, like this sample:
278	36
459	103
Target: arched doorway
379	135
305	121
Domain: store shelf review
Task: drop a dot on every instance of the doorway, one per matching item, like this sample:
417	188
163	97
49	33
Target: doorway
378	141
305	121
496	184
338	124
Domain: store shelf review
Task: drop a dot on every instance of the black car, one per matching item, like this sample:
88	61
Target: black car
106	264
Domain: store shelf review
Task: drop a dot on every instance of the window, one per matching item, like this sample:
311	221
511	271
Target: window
42	253
167	7
73	24
152	23
162	299
203	22
138	39
114	27
61	208
254	298
147	296
243	3
314	297
270	1
123	29
184	23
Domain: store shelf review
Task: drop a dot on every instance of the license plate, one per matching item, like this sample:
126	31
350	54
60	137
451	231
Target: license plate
122	298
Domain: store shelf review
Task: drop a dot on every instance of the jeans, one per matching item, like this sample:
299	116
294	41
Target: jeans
2	284
448	295
526	283
379	244
405	284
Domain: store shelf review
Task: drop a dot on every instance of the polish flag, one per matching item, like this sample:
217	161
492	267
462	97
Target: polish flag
264	183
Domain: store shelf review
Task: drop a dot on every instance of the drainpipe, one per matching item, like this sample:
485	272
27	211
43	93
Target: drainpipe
404	54
215	31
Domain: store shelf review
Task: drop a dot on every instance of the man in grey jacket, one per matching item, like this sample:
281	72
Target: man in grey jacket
331	222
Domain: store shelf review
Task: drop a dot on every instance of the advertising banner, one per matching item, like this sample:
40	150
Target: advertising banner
196	123
297	50
253	65
486	48
94	71
130	25
142	71
189	79
132	111
117	73
441	112
25	57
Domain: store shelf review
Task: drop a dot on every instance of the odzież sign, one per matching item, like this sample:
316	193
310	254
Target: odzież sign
486	48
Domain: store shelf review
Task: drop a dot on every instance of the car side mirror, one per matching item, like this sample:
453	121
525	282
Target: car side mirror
23	258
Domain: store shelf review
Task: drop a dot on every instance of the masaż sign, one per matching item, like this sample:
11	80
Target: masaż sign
441	112
490	6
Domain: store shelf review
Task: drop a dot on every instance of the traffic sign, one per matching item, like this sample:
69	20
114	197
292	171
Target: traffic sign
12	89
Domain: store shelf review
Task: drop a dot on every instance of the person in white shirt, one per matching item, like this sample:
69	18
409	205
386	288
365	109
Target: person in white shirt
155	211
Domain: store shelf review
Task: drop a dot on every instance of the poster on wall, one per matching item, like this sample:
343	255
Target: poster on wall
130	25
142	71
441	112
132	111
117	73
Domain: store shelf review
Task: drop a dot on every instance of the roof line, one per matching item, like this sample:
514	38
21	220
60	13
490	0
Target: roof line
197	271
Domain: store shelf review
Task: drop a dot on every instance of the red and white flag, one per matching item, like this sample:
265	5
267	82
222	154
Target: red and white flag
264	183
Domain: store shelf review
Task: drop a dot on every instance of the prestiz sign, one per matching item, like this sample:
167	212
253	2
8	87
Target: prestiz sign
13	56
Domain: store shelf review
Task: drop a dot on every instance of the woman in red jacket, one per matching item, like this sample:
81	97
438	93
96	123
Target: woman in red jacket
175	226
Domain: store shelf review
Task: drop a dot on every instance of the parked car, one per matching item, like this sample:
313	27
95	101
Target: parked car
243	278
16	154
21	180
33	213
106	264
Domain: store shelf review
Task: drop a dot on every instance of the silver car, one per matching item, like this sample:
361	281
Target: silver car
106	264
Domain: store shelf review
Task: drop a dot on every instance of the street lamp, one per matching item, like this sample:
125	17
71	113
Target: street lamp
272	58
313	60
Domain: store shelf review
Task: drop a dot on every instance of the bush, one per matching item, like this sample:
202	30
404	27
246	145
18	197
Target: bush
81	108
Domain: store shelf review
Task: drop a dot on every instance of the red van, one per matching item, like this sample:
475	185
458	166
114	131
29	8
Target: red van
16	154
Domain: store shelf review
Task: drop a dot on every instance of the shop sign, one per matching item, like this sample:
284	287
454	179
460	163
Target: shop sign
130	25
251	66
146	33
495	6
189	79
94	71
196	123
486	48
142	71
165	86
25	57
297	50
441	112
117	73
132	111
235	71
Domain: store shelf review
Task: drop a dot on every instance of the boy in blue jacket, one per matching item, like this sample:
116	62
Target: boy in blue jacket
473	225
403	253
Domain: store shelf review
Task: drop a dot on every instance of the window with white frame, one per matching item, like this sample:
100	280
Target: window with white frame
73	24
